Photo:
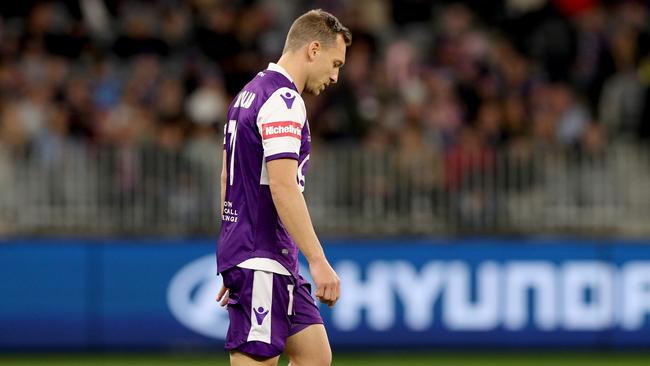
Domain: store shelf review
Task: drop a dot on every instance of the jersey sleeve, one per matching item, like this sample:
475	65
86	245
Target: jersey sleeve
280	121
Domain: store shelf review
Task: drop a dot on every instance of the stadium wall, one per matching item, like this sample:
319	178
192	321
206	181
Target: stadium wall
120	294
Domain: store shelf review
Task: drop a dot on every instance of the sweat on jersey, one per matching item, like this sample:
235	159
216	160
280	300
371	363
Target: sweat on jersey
266	121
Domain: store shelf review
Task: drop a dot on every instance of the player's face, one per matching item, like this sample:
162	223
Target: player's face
325	67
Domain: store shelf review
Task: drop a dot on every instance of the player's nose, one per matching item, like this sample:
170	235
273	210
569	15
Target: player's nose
334	78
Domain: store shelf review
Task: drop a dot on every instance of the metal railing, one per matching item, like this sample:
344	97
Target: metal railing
72	189
87	190
535	191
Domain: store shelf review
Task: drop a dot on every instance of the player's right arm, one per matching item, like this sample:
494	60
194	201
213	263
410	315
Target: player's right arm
292	209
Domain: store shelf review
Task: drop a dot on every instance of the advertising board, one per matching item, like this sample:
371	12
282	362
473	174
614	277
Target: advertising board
482	293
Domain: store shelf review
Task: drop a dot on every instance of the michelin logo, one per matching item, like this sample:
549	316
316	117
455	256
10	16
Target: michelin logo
281	129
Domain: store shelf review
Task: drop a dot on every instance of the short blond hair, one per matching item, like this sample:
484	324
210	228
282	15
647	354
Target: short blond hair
316	25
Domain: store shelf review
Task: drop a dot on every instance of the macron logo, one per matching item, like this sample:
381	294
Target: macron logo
288	99
281	129
260	314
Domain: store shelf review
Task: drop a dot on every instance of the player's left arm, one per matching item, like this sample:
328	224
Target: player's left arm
222	296
224	177
280	122
292	209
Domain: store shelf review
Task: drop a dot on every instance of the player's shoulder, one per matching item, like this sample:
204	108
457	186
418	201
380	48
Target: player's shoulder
284	104
285	99
277	86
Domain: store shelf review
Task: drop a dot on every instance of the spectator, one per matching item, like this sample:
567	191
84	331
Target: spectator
439	86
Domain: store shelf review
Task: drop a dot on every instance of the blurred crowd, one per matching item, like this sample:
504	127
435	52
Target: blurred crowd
445	80
446	72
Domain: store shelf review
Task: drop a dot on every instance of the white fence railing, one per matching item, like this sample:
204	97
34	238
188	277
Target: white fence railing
86	190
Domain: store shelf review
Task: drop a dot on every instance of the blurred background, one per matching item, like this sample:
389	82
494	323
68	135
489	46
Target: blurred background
480	174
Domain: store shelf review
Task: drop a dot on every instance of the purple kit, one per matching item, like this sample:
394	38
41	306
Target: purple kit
257	258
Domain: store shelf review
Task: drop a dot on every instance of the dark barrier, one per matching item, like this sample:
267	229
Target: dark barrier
160	294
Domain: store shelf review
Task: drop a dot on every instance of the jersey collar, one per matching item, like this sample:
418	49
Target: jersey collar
277	68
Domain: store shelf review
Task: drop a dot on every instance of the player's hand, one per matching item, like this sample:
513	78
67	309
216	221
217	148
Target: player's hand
328	284
223	296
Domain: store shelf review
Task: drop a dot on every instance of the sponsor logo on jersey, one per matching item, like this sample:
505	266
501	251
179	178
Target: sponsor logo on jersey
281	129
190	297
260	314
288	99
302	168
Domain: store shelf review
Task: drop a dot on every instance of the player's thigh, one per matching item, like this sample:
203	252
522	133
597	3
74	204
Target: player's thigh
242	359
309	347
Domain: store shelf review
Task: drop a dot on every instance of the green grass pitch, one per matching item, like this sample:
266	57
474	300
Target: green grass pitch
443	358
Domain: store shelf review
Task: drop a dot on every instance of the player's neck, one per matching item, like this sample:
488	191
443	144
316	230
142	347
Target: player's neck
288	63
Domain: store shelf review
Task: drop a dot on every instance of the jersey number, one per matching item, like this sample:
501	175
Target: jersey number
232	130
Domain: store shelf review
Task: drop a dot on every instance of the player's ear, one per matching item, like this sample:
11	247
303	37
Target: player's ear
313	49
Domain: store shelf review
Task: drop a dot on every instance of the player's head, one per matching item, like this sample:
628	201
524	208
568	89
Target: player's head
321	38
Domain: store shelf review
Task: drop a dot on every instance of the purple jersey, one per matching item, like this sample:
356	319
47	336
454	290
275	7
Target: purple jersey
266	121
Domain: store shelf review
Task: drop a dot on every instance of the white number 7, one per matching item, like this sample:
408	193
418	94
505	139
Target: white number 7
232	130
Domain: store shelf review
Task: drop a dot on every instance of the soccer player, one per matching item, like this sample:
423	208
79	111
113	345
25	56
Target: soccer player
265	220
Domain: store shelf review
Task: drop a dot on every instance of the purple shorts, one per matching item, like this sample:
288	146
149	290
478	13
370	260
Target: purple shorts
265	309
